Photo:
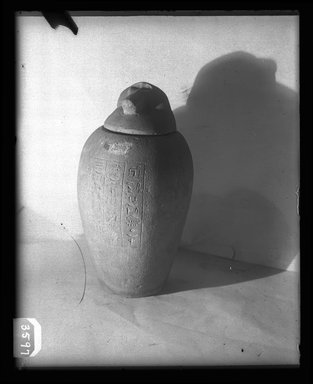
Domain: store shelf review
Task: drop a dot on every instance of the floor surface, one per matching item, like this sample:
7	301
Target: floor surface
213	311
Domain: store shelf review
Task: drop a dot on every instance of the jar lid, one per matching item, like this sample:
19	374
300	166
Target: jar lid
142	109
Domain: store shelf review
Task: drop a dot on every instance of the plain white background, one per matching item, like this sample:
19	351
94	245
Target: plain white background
242	127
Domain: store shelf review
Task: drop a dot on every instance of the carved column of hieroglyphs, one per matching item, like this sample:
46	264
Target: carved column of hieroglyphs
108	182
132	213
119	201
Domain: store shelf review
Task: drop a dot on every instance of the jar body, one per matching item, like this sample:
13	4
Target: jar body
134	193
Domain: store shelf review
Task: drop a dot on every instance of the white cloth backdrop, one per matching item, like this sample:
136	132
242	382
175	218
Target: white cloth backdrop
232	83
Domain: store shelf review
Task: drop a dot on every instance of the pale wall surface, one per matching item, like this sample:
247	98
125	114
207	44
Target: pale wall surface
241	123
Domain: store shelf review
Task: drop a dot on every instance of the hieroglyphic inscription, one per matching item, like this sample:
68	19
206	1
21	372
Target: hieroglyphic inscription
132	205
118	201
108	183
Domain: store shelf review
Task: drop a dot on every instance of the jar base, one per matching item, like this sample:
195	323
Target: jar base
117	292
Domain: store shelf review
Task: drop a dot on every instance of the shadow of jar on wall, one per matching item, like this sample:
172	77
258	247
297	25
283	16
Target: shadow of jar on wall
242	129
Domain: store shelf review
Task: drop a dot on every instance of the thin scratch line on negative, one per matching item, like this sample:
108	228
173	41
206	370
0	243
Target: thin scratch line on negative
84	267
